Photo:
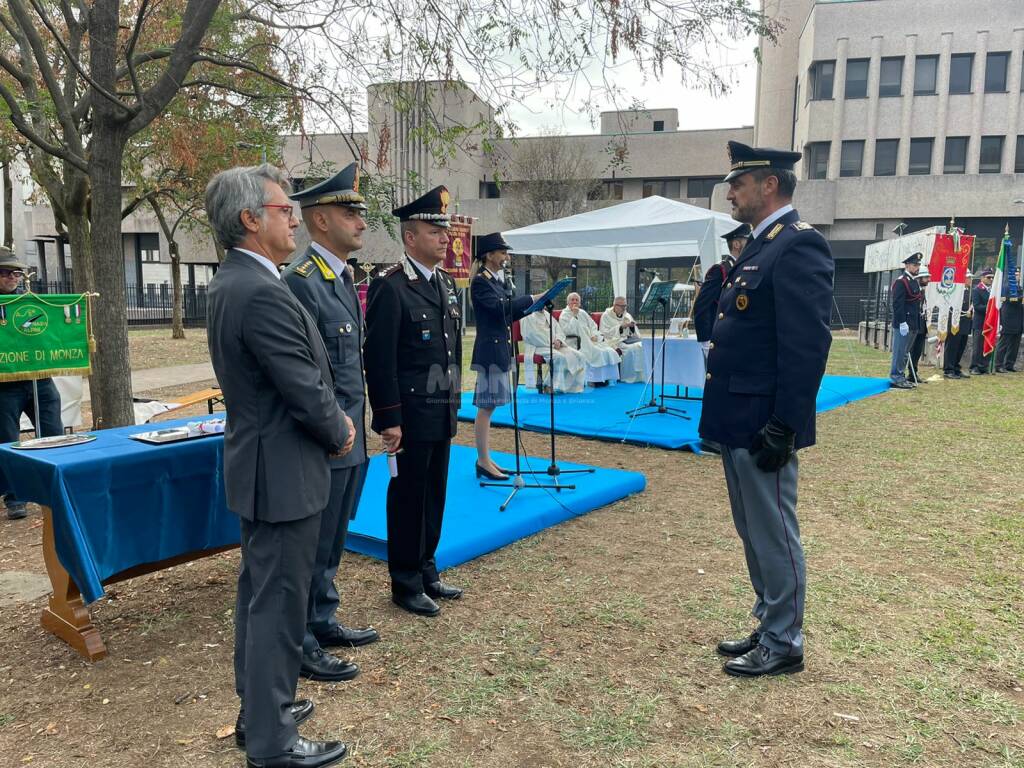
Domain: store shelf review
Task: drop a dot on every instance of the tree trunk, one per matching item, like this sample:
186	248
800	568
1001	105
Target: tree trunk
8	207
112	390
177	326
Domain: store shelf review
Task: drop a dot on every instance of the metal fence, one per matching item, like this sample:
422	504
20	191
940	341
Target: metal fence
150	304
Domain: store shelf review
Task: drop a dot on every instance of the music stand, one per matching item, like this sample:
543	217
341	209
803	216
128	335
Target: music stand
659	294
516	478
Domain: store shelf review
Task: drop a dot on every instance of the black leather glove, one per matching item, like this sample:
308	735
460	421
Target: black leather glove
773	445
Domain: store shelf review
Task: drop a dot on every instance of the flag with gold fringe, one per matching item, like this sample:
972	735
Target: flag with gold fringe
43	335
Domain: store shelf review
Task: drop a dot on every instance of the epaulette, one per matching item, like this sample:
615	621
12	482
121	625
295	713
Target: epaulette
801	225
392	269
775	231
305	268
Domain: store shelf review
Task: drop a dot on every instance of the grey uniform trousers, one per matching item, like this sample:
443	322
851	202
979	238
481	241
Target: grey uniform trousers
764	512
270	620
346	487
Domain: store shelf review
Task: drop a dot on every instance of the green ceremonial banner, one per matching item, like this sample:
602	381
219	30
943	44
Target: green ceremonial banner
44	335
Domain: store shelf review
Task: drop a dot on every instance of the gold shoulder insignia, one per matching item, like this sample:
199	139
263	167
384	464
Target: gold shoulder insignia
305	268
802	225
775	231
325	270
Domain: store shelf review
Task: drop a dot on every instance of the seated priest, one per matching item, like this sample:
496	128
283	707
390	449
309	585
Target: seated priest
567	365
619	330
602	360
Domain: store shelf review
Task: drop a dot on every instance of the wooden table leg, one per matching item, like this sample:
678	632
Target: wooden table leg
66	616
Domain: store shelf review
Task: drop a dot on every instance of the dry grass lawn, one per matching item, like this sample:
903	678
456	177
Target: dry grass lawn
592	643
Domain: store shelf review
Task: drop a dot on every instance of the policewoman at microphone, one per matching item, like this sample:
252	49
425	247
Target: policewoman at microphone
495	310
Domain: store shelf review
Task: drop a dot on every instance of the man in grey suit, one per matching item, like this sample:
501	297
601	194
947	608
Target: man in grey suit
283	423
320	279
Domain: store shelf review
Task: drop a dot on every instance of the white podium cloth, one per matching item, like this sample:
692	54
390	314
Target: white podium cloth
683	361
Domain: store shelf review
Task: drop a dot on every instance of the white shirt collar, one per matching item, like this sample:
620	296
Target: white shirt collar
333	261
769	220
427	273
262	260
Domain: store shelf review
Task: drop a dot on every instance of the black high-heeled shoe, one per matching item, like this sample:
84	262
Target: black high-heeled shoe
481	472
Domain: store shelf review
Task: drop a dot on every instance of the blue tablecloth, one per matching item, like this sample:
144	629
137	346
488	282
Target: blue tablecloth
118	503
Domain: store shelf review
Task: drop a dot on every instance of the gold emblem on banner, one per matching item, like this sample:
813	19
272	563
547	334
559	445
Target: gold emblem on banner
742	302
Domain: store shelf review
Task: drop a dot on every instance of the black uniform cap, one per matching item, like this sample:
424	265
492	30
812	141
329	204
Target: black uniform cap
341	189
914	258
431	207
744	159
493	242
743	230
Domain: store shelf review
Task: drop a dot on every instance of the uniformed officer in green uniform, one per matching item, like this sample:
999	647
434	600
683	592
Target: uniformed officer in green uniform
413	355
322	282
767	355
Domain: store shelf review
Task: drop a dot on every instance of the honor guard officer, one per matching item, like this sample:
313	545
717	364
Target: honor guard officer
907	298
320	279
767	355
705	306
979	303
413	355
1011	322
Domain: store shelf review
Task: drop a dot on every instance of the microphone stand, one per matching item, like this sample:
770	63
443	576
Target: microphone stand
657	405
518	482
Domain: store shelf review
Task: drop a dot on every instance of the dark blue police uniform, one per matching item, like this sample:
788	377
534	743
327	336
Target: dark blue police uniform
495	310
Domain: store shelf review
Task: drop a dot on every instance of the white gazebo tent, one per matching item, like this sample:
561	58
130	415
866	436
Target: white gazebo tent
652	228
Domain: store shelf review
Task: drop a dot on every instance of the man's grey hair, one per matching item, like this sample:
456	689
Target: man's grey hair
618	298
573	294
232	191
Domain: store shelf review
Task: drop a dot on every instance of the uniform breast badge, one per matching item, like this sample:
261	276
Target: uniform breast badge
742	302
425	334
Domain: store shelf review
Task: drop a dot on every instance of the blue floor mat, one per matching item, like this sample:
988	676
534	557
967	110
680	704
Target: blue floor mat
601	412
473	525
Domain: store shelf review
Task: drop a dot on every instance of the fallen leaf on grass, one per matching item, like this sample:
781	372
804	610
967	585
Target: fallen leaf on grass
224	731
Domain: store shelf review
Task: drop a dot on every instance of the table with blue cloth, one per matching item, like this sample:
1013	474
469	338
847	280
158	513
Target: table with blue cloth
116	508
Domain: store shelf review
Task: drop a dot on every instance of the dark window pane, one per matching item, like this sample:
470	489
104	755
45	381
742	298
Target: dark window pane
489	190
659	125
701	187
960	66
817	160
925	71
956	155
822	74
995	72
991	160
852	158
921	156
1018	165
885	157
890	81
857	78
661	187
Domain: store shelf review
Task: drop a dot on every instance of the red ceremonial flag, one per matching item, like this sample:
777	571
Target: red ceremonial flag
995	299
460	254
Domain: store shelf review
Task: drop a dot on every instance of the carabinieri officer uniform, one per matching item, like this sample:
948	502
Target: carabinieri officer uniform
705	306
321	282
766	359
413	355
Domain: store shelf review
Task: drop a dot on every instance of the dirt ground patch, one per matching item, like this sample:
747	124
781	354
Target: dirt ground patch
592	643
154	347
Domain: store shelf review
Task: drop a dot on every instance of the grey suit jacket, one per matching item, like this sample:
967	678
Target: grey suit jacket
331	301
282	418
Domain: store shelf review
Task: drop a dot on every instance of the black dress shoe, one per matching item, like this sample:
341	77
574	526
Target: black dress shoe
483	472
445	591
739	647
761	661
301	710
350	638
326	668
419	604
303	754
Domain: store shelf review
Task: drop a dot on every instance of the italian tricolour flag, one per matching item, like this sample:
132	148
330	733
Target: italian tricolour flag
990	332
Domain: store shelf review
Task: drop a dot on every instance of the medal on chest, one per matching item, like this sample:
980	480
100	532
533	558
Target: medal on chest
742	302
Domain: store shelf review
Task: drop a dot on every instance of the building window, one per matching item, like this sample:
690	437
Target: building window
991	160
960	66
489	190
659	125
606	190
701	187
817	160
662	187
890	80
1018	166
857	79
926	70
996	65
956	155
821	73
851	159
885	157
921	156
149	247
